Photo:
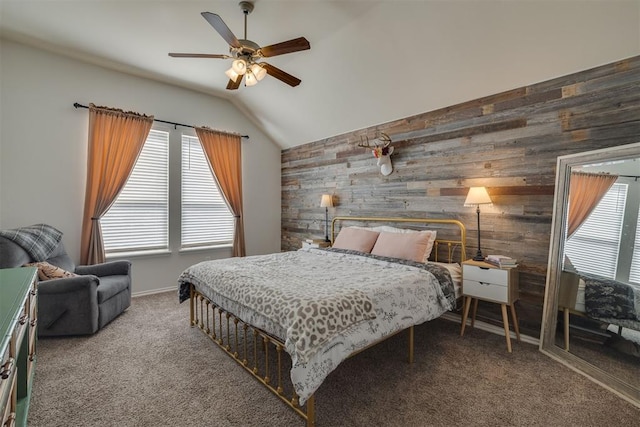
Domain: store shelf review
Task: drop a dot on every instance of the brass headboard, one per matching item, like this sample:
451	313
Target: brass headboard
451	244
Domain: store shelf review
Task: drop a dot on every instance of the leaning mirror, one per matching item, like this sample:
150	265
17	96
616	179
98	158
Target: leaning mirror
591	318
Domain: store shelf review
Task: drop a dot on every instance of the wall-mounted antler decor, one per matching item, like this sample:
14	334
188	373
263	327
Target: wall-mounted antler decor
381	150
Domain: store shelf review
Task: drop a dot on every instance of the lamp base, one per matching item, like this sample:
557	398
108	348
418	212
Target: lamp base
326	224
478	256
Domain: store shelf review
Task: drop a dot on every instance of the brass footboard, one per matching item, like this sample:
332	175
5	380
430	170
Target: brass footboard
250	348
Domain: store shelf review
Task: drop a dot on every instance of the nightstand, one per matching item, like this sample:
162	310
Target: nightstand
316	244
487	282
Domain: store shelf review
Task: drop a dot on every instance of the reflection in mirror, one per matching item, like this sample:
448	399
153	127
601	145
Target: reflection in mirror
592	302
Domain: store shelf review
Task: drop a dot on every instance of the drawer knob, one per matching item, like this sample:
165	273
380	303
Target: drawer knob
7	368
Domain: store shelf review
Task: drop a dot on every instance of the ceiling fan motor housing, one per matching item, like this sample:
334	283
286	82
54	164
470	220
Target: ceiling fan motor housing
248	49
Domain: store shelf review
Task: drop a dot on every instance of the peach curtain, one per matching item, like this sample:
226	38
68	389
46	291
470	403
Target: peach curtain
224	152
115	141
585	192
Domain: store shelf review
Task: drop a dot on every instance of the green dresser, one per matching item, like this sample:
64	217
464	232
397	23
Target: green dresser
18	317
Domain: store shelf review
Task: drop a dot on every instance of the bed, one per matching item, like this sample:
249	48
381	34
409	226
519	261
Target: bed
306	311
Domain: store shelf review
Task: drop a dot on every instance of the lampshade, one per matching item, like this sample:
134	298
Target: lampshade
250	79
231	74
258	71
239	66
477	196
327	201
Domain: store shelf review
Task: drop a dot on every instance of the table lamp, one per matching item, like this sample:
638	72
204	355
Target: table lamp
478	196
326	203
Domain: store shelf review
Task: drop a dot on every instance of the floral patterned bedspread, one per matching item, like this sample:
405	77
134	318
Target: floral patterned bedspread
282	292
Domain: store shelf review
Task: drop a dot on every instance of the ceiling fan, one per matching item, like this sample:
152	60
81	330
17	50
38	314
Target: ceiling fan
247	54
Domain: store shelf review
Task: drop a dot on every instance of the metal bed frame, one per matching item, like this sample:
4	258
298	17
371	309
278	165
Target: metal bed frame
250	346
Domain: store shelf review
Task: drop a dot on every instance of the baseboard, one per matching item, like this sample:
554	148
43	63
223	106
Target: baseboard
490	328
155	291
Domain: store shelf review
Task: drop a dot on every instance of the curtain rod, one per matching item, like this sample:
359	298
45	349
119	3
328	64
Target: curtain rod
77	105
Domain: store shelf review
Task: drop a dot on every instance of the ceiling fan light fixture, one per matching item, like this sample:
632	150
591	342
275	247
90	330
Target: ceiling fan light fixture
239	66
258	71
231	74
250	79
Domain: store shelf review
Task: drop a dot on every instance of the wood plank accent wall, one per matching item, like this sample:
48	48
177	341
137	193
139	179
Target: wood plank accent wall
507	142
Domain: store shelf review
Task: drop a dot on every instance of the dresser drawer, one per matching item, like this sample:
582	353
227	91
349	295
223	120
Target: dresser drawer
486	290
7	391
33	302
18	338
20	333
486	275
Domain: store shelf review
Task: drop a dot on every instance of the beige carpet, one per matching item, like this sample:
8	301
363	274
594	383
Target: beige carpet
148	368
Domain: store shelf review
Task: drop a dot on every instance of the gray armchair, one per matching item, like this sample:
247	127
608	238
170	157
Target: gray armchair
78	305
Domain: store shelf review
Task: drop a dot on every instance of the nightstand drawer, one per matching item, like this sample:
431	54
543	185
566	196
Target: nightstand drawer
488	275
485	290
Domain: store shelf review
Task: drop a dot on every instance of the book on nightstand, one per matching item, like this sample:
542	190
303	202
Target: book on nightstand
501	261
315	244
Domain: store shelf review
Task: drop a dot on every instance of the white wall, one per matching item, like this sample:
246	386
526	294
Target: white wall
43	149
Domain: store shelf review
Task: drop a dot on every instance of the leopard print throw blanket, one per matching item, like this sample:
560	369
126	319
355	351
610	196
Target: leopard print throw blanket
308	305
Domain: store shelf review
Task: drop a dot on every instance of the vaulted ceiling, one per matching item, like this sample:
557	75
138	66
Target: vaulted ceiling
370	61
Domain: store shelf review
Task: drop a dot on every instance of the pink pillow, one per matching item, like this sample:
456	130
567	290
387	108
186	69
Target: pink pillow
411	246
356	239
431	233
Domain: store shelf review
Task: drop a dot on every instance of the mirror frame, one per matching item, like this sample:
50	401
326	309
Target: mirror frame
554	268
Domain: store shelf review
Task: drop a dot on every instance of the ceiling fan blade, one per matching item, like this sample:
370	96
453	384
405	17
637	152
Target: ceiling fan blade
290	46
281	75
198	55
233	85
218	24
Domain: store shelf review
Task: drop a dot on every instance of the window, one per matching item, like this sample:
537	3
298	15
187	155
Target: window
139	218
206	219
594	247
634	274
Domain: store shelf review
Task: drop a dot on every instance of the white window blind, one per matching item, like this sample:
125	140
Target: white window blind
634	273
206	219
594	247
139	218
